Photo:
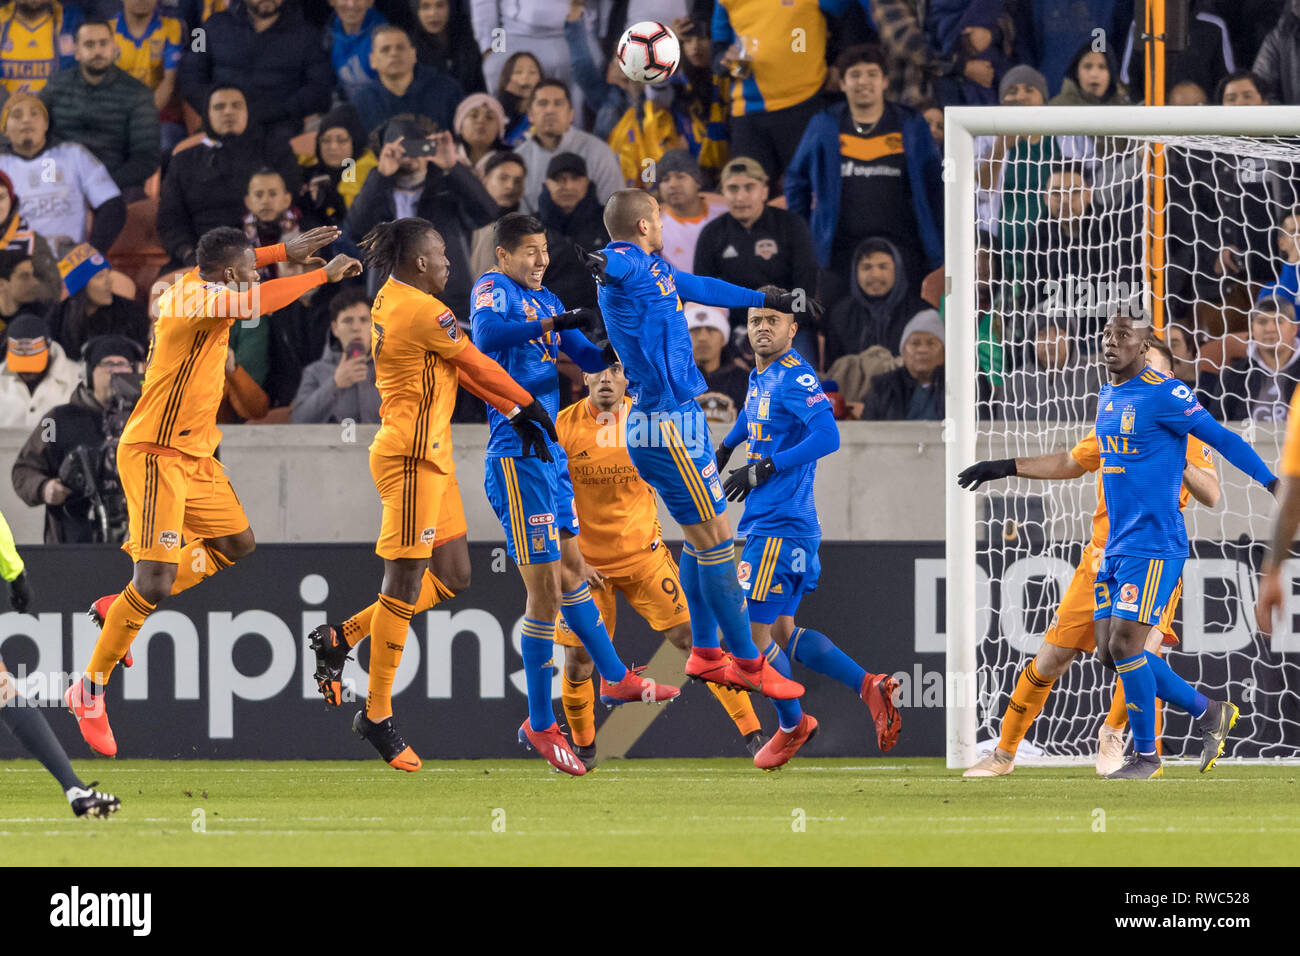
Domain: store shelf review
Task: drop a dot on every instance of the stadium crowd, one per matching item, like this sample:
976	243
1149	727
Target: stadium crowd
131	127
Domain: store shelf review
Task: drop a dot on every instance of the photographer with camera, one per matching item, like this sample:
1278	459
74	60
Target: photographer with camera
69	463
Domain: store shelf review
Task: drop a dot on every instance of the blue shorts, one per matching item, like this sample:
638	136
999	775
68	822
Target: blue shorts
673	452
1136	589
776	573
533	500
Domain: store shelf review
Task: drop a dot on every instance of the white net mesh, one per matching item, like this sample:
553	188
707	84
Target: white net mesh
1065	230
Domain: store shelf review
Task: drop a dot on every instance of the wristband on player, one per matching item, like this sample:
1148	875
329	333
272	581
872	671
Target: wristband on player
574	319
980	472
723	455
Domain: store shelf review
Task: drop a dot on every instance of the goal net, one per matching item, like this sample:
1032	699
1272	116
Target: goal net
1057	219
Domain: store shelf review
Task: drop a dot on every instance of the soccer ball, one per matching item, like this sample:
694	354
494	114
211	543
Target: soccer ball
648	52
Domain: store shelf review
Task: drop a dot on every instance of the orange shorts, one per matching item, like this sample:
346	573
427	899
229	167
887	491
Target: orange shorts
172	497
1072	626
422	506
653	588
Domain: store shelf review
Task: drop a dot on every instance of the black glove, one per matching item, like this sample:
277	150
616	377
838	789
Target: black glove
595	263
983	471
606	351
1272	487
20	594
575	319
723	455
533	424
798	303
742	481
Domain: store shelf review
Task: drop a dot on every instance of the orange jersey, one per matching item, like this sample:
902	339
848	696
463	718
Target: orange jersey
1291	447
414	339
1088	454
186	373
615	507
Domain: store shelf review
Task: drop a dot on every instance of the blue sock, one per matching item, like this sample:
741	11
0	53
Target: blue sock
1173	689
583	617
1140	694
816	651
704	626
538	647
726	599
788	711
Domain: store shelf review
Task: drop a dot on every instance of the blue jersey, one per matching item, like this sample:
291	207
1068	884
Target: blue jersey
1142	428
641	302
499	321
780	406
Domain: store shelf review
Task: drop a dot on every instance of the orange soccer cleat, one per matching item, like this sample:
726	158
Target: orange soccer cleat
92	719
708	664
554	747
878	694
635	687
383	736
758	675
778	751
99	614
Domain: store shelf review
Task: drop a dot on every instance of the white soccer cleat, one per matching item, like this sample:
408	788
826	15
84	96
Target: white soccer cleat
996	764
1110	750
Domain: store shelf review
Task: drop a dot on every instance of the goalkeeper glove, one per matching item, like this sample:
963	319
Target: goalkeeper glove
595	263
20	593
797	303
983	471
533	424
742	481
723	455
575	319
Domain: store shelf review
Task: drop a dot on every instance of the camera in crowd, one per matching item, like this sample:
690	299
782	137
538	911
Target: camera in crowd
89	471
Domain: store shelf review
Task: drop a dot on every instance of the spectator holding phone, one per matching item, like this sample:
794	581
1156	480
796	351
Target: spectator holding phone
340	386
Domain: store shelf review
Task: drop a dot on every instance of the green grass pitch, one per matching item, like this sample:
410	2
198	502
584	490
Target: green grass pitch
855	812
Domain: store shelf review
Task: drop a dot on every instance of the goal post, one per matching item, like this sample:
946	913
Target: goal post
981	659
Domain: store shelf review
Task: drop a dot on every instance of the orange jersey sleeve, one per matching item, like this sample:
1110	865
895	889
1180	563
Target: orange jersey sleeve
615	506
1291	446
414	340
1199	455
1087	452
270	255
485	378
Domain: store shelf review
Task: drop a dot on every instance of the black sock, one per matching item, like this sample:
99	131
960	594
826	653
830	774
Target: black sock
95	690
28	724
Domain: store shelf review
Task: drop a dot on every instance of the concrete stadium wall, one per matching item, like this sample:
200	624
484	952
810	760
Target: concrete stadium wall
311	483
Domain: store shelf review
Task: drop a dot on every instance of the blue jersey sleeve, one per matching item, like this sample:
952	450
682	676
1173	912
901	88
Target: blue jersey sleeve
1176	407
579	348
823	438
708	291
739	431
618	266
487	319
1232	447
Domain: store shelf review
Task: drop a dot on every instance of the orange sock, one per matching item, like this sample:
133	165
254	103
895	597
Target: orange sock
432	593
198	561
738	707
1023	708
579	700
390	625
122	623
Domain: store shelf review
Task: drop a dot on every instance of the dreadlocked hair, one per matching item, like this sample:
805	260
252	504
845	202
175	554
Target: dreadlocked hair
390	243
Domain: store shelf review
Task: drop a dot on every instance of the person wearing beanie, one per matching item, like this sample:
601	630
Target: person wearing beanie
56	206
685	210
914	390
402	85
1017	82
82	422
17	236
92	308
37	374
326	194
479	126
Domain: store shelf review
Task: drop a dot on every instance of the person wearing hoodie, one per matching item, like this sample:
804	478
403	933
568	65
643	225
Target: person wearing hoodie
347	37
340	385
868	167
402	85
1091	79
572	216
879	306
444	40
265	47
914	390
1051	383
1258	387
204	185
96	411
335	172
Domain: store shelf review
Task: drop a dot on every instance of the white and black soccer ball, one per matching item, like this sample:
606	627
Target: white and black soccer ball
648	52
